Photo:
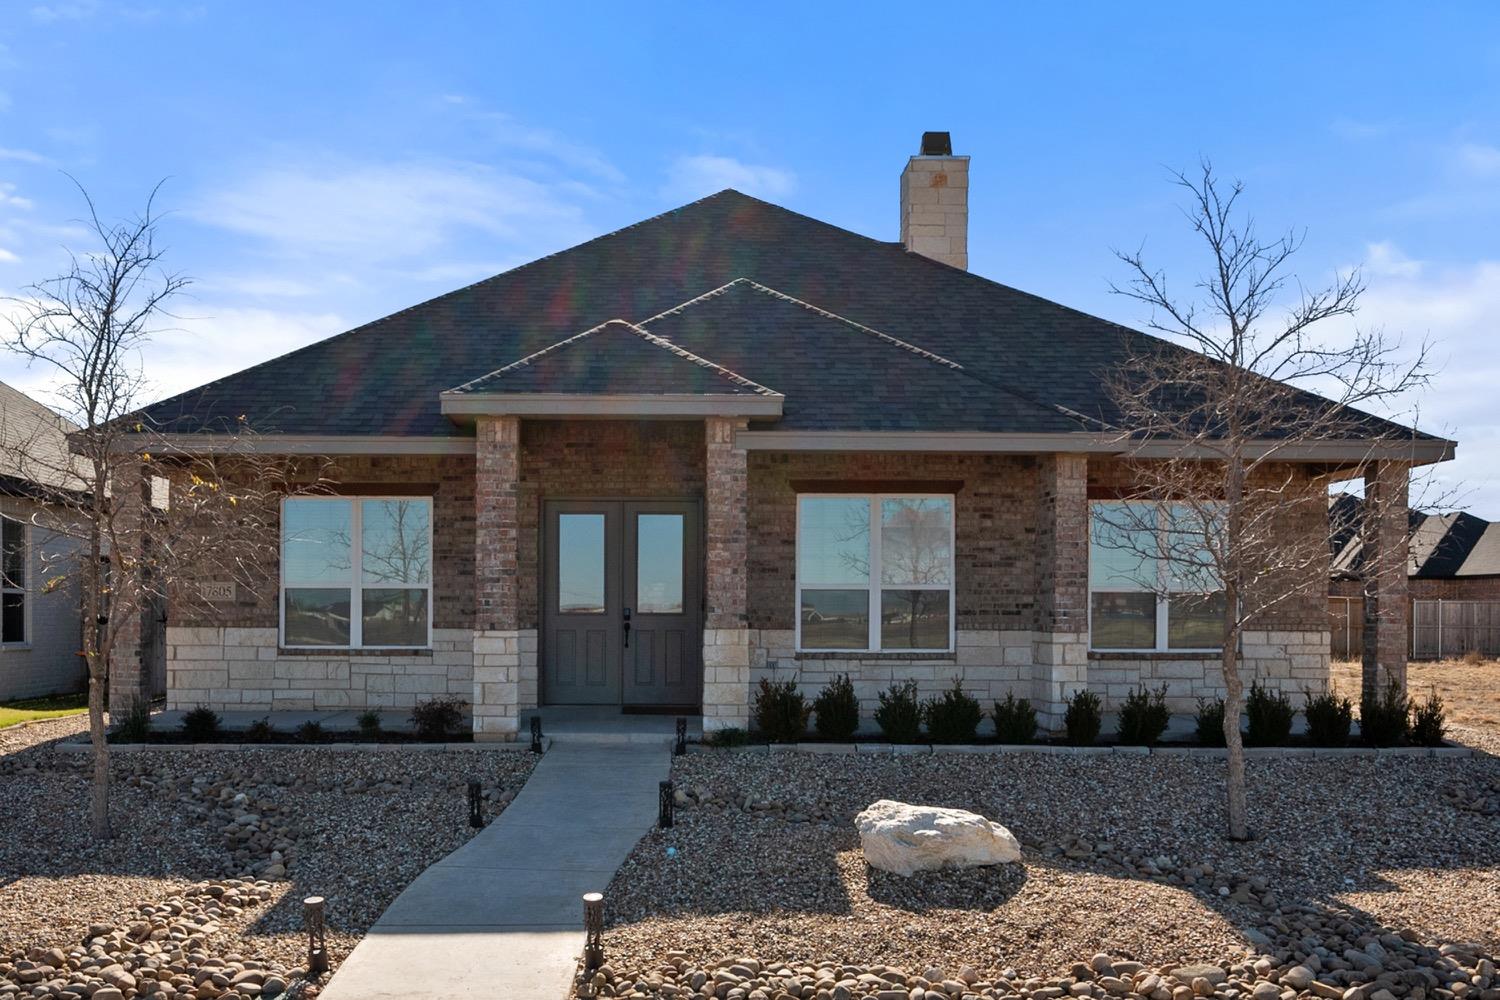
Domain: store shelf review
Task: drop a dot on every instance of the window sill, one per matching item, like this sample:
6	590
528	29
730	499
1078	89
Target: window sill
1153	654
833	654
18	647
326	651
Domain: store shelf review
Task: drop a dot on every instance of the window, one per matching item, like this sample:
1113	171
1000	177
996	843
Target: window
875	573
356	572
12	581
1152	583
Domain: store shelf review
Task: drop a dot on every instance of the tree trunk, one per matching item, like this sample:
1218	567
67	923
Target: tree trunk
99	793
97	658
1234	700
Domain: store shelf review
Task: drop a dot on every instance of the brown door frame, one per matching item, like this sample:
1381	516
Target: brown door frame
544	571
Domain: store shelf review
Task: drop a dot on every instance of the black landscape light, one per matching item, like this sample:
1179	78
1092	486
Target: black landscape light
536	734
317	944
664	807
476	810
681	746
593	930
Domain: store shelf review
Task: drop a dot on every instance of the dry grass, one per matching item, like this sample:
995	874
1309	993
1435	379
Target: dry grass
1470	689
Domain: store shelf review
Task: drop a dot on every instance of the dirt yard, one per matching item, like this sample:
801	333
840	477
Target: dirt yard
1469	689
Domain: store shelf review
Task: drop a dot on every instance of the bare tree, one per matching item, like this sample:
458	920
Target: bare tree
1219	518
146	516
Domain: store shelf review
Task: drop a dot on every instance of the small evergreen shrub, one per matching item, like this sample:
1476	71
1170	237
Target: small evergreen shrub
435	718
202	723
310	731
1015	720
780	711
1328	718
369	722
1083	718
953	716
836	710
1144	716
729	736
1210	721
1427	721
1383	716
900	713
1269	714
260	730
135	725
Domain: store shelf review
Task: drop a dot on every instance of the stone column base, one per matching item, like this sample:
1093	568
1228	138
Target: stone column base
505	677
1060	669
726	679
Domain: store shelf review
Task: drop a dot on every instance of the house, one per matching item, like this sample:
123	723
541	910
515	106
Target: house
40	625
1453	582
725	443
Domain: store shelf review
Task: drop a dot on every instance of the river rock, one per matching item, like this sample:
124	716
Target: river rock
905	839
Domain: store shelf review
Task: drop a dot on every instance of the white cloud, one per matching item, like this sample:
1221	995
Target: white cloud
692	177
1455	307
7	257
392	214
23	156
1478	158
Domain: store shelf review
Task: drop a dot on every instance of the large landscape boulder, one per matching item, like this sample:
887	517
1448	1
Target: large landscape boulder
905	839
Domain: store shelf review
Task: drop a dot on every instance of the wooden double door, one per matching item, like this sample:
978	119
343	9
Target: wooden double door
622	619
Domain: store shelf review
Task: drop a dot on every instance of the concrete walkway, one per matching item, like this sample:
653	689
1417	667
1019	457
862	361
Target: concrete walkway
502	916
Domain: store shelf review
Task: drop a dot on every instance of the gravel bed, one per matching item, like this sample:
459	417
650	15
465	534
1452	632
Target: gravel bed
1123	857
271	826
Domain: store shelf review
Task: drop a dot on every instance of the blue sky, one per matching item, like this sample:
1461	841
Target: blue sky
330	163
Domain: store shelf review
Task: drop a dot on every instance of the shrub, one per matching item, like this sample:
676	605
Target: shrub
1015	720
1083	718
1269	715
310	731
135	725
1328	719
435	718
780	710
837	709
202	723
1383	716
729	736
1144	716
260	730
900	714
953	716
369	722
1473	657
1210	720
1427	717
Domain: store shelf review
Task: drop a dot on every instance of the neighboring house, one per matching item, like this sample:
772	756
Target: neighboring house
726	443
1453	581
40	635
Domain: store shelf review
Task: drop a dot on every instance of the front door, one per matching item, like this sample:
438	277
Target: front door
622	599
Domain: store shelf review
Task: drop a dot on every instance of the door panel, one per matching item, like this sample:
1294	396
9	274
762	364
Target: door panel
608	564
581	639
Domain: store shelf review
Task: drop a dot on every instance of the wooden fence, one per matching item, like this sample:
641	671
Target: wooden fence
1439	629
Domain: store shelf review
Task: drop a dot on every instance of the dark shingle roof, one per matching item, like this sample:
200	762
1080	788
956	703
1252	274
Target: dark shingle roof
614	358
385	377
1441	547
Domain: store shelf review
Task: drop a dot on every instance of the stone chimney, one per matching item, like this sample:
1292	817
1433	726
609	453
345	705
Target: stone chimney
935	202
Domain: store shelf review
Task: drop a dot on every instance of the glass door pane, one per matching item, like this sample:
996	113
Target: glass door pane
580	564
658	564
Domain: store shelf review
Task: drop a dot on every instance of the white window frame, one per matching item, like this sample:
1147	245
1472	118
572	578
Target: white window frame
356	572
26	569
1163	595
874	585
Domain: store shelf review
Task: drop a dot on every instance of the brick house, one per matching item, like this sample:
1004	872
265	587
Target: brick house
1452	581
724	443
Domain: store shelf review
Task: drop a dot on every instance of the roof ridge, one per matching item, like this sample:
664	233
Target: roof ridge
639	331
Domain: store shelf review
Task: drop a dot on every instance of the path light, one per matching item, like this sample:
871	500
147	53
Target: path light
681	747
593	929
476	809
664	807
317	944
536	734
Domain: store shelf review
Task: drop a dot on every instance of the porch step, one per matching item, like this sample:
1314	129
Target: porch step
574	725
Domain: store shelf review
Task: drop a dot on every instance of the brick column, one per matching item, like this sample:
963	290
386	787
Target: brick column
129	673
1384	528
1060	646
726	635
500	654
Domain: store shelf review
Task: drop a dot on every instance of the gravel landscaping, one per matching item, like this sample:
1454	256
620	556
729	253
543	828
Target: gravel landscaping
1367	875
199	893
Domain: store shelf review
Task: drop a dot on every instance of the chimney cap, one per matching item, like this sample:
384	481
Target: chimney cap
937	144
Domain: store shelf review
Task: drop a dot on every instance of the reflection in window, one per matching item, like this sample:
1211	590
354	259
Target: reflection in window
12	580
580	564
833	541
322	605
658	564
1152	577
835	619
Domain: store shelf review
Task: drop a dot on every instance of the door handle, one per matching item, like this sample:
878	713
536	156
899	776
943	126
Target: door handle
627	628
